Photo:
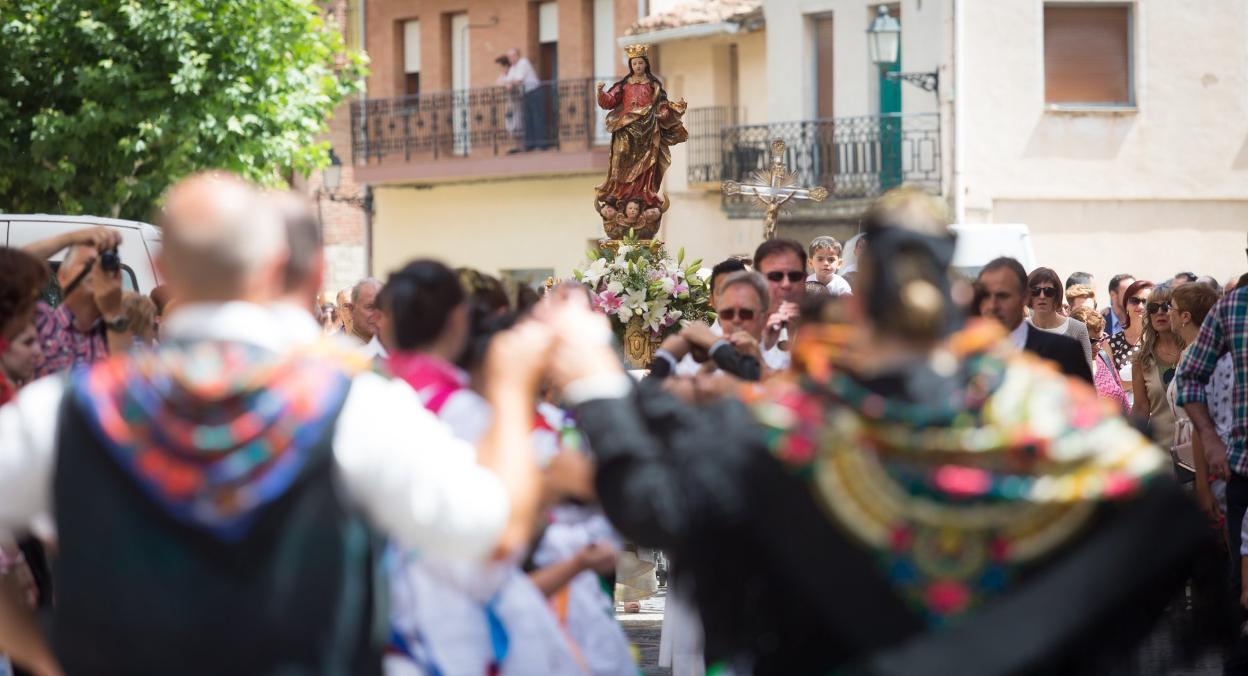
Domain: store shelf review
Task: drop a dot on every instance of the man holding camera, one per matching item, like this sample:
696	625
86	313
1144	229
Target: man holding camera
89	324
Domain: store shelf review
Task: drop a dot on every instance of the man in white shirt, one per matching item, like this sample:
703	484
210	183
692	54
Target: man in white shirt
365	316
537	131
782	262
317	455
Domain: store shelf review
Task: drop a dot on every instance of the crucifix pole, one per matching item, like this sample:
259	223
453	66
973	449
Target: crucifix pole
773	188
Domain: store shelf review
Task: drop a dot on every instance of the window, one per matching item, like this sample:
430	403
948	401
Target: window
411	58
548	41
1087	55
823	66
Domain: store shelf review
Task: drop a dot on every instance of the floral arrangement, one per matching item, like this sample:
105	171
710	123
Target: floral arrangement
632	280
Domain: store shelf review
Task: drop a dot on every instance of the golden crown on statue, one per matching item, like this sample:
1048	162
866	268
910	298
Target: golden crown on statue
634	51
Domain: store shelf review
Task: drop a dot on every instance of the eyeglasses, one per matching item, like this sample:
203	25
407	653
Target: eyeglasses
729	314
1154	308
1100	339
1046	291
778	276
1138	300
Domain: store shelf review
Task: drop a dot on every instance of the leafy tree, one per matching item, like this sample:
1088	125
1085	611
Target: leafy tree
105	103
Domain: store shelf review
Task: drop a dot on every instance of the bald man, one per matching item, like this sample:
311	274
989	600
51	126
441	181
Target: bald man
219	503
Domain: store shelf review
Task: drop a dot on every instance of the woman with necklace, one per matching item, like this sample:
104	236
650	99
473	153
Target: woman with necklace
1153	368
1126	343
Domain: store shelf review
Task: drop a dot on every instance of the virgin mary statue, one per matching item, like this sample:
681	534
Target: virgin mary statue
643	124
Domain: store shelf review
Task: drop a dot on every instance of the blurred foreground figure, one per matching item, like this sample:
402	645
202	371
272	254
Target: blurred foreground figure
219	501
925	500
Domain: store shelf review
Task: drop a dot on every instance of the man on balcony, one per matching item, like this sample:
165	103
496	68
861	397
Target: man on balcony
536	122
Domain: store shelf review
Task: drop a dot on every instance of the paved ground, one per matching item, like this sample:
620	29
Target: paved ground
644	629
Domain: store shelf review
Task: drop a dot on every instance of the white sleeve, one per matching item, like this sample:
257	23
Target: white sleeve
413	478
28	453
467	414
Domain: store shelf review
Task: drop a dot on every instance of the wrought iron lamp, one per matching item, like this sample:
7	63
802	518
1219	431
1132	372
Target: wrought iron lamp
884	43
331	180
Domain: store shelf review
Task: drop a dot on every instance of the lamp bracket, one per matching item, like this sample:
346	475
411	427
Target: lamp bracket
928	82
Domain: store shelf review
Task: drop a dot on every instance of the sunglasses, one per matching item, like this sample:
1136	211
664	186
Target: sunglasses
1138	300
1097	341
1154	308
1046	291
794	276
731	313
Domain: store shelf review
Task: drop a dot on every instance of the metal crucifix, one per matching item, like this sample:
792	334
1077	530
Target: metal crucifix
773	187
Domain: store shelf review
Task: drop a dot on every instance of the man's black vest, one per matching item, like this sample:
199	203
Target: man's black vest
141	593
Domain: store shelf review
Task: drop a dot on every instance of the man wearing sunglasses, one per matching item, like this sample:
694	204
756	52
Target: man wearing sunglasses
741	298
782	262
1004	283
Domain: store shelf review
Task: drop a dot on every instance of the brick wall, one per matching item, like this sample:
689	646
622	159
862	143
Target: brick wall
516	27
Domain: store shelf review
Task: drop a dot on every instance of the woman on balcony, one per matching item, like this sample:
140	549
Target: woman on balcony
643	124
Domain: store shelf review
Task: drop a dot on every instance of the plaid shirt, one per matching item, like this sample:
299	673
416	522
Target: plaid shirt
1225	330
63	345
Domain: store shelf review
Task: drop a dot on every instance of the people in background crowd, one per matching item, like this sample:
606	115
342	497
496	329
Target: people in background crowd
89	323
1189	305
1080	295
782	262
1183	278
825	258
365	315
1104	375
1044	298
1080	279
1126	343
1152	367
344	312
140	311
742	299
1004	298
1115	313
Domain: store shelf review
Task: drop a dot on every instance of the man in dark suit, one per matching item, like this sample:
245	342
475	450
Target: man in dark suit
1004	284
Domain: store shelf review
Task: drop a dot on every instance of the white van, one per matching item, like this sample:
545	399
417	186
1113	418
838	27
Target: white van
139	242
979	243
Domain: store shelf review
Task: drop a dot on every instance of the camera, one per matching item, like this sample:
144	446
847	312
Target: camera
110	261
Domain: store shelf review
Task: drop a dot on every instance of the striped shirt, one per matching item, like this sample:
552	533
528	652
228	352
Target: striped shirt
63	345
1225	330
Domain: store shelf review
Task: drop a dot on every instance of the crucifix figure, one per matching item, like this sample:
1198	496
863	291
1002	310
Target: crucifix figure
773	187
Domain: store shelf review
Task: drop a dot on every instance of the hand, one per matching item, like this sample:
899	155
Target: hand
714	385
1208	505
101	238
600	87
598	557
584	338
676	345
745	344
699	335
1215	455
518	358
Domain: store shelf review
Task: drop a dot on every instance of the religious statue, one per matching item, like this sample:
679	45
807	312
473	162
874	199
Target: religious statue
643	221
643	123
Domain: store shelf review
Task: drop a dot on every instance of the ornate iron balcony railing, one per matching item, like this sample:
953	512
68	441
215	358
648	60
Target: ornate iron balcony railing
477	122
706	126
855	158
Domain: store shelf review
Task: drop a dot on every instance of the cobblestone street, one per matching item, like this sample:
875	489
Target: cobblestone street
644	630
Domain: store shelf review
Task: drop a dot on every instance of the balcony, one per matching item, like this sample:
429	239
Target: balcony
480	133
855	158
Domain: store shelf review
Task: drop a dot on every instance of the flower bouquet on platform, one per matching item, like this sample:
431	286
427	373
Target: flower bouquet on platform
646	293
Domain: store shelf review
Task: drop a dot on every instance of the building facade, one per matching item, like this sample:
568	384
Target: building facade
1117	131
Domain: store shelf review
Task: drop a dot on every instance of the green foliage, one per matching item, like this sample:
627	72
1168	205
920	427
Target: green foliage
105	103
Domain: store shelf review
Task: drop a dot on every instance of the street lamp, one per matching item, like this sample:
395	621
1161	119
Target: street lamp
884	43
331	180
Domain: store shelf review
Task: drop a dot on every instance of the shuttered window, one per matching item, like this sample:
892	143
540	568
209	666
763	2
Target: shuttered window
1087	55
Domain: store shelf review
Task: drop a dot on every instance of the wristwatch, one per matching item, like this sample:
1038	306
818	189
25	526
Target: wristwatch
118	324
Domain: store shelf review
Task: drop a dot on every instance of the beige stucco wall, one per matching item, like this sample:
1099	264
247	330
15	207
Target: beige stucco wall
535	223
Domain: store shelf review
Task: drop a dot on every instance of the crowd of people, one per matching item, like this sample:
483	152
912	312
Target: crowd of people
879	467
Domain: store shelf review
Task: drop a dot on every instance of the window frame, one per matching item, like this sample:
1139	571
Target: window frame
1132	103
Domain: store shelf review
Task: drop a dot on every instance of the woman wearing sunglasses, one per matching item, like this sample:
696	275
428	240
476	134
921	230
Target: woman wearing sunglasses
1189	306
1153	368
1045	300
1126	343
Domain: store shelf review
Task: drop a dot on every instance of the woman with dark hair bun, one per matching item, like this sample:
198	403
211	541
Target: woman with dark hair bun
994	516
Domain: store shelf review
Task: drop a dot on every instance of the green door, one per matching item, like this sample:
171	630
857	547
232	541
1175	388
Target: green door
890	127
